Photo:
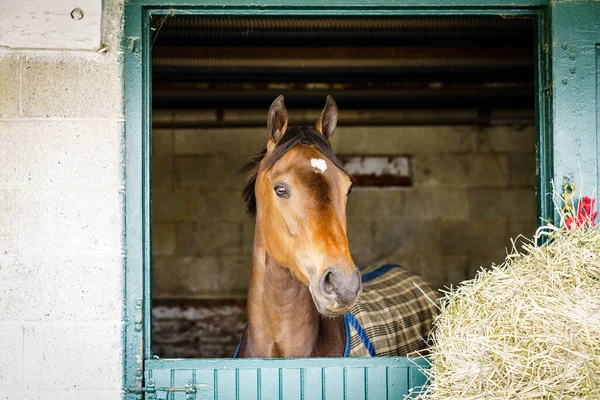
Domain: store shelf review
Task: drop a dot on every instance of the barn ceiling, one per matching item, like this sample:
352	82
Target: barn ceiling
480	62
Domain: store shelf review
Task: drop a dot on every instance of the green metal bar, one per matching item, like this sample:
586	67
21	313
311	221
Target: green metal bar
284	12
543	98
575	34
146	157
134	196
250	363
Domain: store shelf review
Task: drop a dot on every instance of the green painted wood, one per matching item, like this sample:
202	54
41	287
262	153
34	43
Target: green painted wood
575	73
290	379
313	383
543	99
134	200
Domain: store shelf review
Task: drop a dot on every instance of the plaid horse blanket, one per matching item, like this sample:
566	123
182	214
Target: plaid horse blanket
392	316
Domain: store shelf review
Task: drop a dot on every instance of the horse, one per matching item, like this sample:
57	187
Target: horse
306	296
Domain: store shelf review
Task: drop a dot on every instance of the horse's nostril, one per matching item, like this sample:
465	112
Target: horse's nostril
327	286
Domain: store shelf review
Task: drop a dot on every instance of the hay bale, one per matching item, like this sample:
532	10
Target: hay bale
527	329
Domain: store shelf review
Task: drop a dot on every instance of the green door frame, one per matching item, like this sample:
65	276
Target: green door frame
136	46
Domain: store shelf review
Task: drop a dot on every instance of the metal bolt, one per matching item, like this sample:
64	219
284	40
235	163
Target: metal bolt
77	14
138	327
572	56
565	46
572	69
565	81
138	302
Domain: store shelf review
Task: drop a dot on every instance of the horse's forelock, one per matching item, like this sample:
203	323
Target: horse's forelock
293	136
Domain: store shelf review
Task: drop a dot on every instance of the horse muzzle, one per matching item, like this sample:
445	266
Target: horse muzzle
337	290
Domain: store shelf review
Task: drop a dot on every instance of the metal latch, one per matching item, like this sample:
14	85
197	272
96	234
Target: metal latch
161	393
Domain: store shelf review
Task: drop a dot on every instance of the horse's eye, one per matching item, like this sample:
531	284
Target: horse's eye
349	190
282	191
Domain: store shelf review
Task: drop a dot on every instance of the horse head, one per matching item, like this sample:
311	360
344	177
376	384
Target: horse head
298	195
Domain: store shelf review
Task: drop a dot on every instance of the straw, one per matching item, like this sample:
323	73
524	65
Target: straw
526	329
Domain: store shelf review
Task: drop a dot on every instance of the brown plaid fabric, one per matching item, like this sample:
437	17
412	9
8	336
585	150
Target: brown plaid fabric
393	313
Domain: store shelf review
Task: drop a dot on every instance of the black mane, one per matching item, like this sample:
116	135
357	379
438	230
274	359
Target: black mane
293	136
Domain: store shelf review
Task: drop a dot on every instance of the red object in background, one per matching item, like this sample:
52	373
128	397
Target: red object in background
586	216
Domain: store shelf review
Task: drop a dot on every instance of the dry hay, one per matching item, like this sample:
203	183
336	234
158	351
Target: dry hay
527	329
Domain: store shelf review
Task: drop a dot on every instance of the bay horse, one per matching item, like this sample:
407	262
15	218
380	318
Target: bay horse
304	288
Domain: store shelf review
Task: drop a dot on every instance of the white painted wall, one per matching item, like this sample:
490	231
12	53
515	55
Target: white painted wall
61	201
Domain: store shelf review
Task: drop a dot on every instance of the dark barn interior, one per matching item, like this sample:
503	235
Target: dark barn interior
436	123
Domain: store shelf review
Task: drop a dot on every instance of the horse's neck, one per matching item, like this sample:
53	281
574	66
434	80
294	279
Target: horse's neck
282	318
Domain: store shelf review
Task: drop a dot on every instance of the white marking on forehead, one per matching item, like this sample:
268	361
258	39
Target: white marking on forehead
319	163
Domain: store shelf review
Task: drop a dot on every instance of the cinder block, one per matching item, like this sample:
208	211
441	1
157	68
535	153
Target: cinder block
236	142
184	276
73	395
442	169
507	139
248	236
209	172
73	356
234	274
429	265
57	288
8	222
522	168
226	206
163	239
489	170
436	203
11	289
12	395
476	263
520	232
9	85
70	221
162	142
361	240
162	171
215	238
113	19
406	236
376	204
477	237
66	153
405	140
456	269
72	85
180	205
461	170
516	204
11	362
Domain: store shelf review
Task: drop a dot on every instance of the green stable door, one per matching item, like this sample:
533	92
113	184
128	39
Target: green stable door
567	117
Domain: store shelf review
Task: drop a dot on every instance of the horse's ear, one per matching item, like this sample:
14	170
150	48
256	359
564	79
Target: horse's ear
328	119
277	121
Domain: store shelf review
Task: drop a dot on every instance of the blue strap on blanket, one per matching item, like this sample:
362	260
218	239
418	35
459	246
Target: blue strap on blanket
350	320
237	350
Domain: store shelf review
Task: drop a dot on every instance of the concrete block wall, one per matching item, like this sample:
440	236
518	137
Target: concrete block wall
61	219
474	189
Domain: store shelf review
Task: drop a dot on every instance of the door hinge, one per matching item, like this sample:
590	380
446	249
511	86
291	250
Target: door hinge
547	86
134	44
152	392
